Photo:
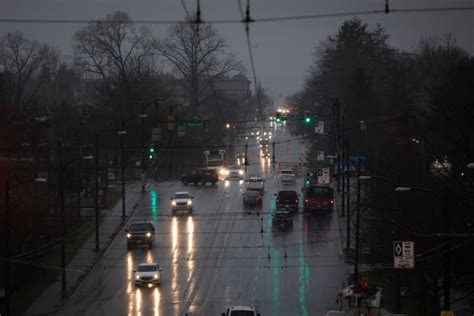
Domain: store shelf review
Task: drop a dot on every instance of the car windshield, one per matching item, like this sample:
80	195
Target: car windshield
287	194
252	194
319	191
139	226
147	268
234	168
181	196
255	180
286	172
242	313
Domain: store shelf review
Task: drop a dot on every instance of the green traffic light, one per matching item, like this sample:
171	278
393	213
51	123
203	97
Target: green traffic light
278	120
307	120
152	150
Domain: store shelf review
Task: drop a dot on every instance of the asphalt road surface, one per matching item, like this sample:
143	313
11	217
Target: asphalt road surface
224	254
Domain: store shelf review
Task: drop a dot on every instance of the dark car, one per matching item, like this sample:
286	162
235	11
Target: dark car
140	233
318	199
287	200
200	176
252	198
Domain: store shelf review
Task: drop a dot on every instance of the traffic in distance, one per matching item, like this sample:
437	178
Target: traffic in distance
312	199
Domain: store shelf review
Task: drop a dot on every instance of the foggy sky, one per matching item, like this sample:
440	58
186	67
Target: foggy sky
282	50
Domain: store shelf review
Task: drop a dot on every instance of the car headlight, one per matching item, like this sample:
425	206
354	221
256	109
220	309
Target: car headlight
137	277
129	235
148	234
173	203
190	202
223	172
241	172
155	276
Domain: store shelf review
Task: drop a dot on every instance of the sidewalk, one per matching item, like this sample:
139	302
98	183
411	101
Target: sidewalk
77	269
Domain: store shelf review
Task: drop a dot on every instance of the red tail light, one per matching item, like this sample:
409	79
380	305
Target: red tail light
332	202
306	200
296	201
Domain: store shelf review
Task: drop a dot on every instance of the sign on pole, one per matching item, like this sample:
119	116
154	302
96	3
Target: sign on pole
323	175
404	254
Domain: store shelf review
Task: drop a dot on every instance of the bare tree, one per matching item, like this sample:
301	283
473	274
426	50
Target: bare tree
120	56
199	55
24	63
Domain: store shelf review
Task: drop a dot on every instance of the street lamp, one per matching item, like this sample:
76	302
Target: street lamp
62	168
446	255
6	271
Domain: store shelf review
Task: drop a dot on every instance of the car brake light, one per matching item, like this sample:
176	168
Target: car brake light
332	202
306	200
296	201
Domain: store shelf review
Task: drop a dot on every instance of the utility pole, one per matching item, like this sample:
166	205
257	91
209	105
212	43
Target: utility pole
97	248
157	103
446	256
143	148
170	127
62	227
246	159
273	156
343	171
357	228
397	271
122	150
348	184
7	248
337	106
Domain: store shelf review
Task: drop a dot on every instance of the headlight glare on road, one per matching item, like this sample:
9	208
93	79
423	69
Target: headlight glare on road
129	235
190	202
148	234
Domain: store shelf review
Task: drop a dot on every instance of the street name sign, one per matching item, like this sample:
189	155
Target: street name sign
404	254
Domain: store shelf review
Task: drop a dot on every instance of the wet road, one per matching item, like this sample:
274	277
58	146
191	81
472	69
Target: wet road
222	255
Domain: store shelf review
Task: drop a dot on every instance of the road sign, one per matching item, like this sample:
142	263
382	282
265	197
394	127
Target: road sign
323	175
404	254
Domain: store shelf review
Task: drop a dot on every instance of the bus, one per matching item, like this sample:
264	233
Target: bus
216	160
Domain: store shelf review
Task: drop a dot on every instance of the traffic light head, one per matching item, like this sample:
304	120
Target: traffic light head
307	117
278	117
151	149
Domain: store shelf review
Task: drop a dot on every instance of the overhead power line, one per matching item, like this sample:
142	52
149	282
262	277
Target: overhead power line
257	20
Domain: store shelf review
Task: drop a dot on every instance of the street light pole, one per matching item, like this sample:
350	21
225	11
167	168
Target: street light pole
357	245
7	248
348	195
97	248
63	223
446	256
122	151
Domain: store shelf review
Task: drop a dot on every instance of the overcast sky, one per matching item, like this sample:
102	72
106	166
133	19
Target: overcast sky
282	50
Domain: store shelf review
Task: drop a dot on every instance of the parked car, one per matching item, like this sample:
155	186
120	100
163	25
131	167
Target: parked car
235	172
255	183
148	273
241	311
318	198
287	200
140	233
182	202
201	176
287	176
252	198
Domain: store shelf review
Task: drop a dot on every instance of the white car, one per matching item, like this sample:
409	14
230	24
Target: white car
241	311
255	183
235	172
148	273
287	176
182	202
